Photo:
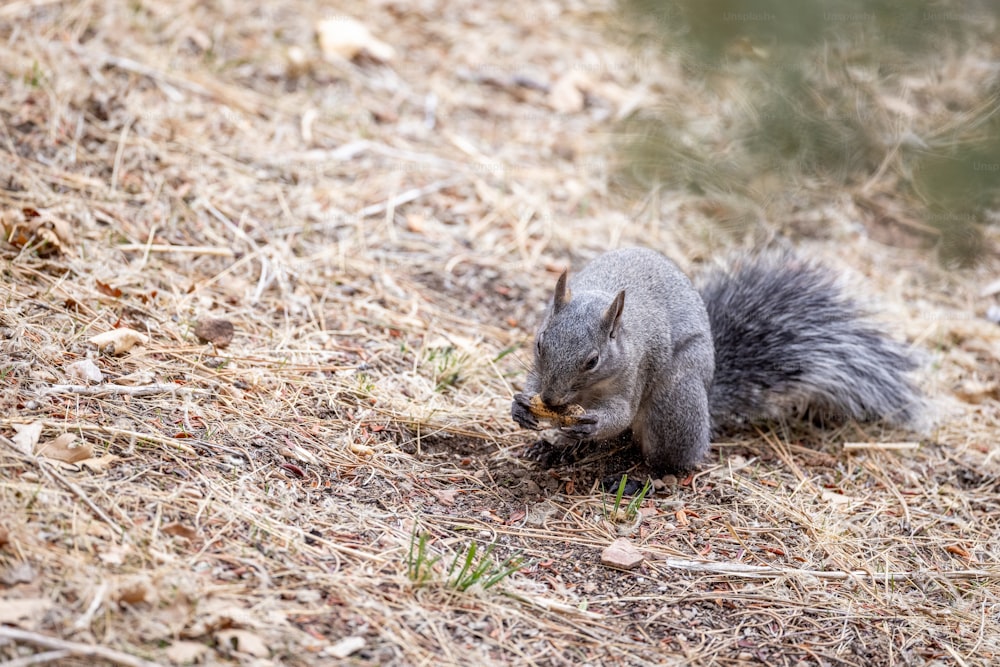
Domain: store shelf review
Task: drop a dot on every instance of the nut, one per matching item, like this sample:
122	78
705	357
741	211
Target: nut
565	415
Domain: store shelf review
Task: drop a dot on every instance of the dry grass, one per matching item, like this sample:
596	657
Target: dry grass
164	163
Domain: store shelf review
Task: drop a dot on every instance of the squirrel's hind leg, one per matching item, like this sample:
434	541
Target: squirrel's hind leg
674	428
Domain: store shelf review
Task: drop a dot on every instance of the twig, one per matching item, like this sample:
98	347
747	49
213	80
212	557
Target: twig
553	605
755	571
83	623
189	249
39	658
407	196
886	446
118	389
75	648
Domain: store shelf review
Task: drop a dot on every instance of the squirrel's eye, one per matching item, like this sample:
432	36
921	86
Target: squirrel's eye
591	363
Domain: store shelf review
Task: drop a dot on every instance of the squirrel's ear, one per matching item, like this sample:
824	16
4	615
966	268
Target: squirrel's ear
613	315
562	295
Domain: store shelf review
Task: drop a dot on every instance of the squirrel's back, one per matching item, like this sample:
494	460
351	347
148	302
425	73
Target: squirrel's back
656	289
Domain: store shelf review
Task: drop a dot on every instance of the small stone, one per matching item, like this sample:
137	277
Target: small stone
622	554
216	331
669	481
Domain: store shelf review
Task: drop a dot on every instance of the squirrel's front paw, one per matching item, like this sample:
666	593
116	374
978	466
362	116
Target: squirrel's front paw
585	428
520	411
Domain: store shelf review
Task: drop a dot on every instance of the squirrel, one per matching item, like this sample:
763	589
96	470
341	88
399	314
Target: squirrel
631	341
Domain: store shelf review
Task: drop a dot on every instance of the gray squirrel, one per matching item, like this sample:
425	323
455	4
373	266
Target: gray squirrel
633	346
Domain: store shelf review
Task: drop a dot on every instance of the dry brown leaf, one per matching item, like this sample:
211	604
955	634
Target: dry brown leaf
836	498
115	554
179	530
347	38
345	647
137	378
185	653
137	590
84	371
98	464
63	449
49	234
445	496
26	436
360	449
243	641
108	290
22	573
23	613
119	340
959	551
975	392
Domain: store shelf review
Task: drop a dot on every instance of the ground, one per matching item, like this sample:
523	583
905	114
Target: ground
382	231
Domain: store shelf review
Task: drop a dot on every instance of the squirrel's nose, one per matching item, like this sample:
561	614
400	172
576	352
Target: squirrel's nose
550	400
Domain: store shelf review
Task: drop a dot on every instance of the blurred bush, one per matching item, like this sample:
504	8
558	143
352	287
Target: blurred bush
821	90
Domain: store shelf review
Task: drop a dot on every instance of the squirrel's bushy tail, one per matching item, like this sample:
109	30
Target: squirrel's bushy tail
787	340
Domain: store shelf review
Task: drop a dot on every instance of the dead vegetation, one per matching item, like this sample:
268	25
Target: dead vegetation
382	234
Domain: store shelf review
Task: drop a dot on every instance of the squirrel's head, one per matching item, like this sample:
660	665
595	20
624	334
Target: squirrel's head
579	345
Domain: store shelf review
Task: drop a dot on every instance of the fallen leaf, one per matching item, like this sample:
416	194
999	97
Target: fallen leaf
180	530
99	464
361	450
243	641
298	453
445	496
63	449
622	554
84	371
48	234
26	436
347	38
219	332
345	647
185	653
115	554
138	378
958	551
835	498
119	340
4	536
22	573
136	591
975	392
23	613
107	289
